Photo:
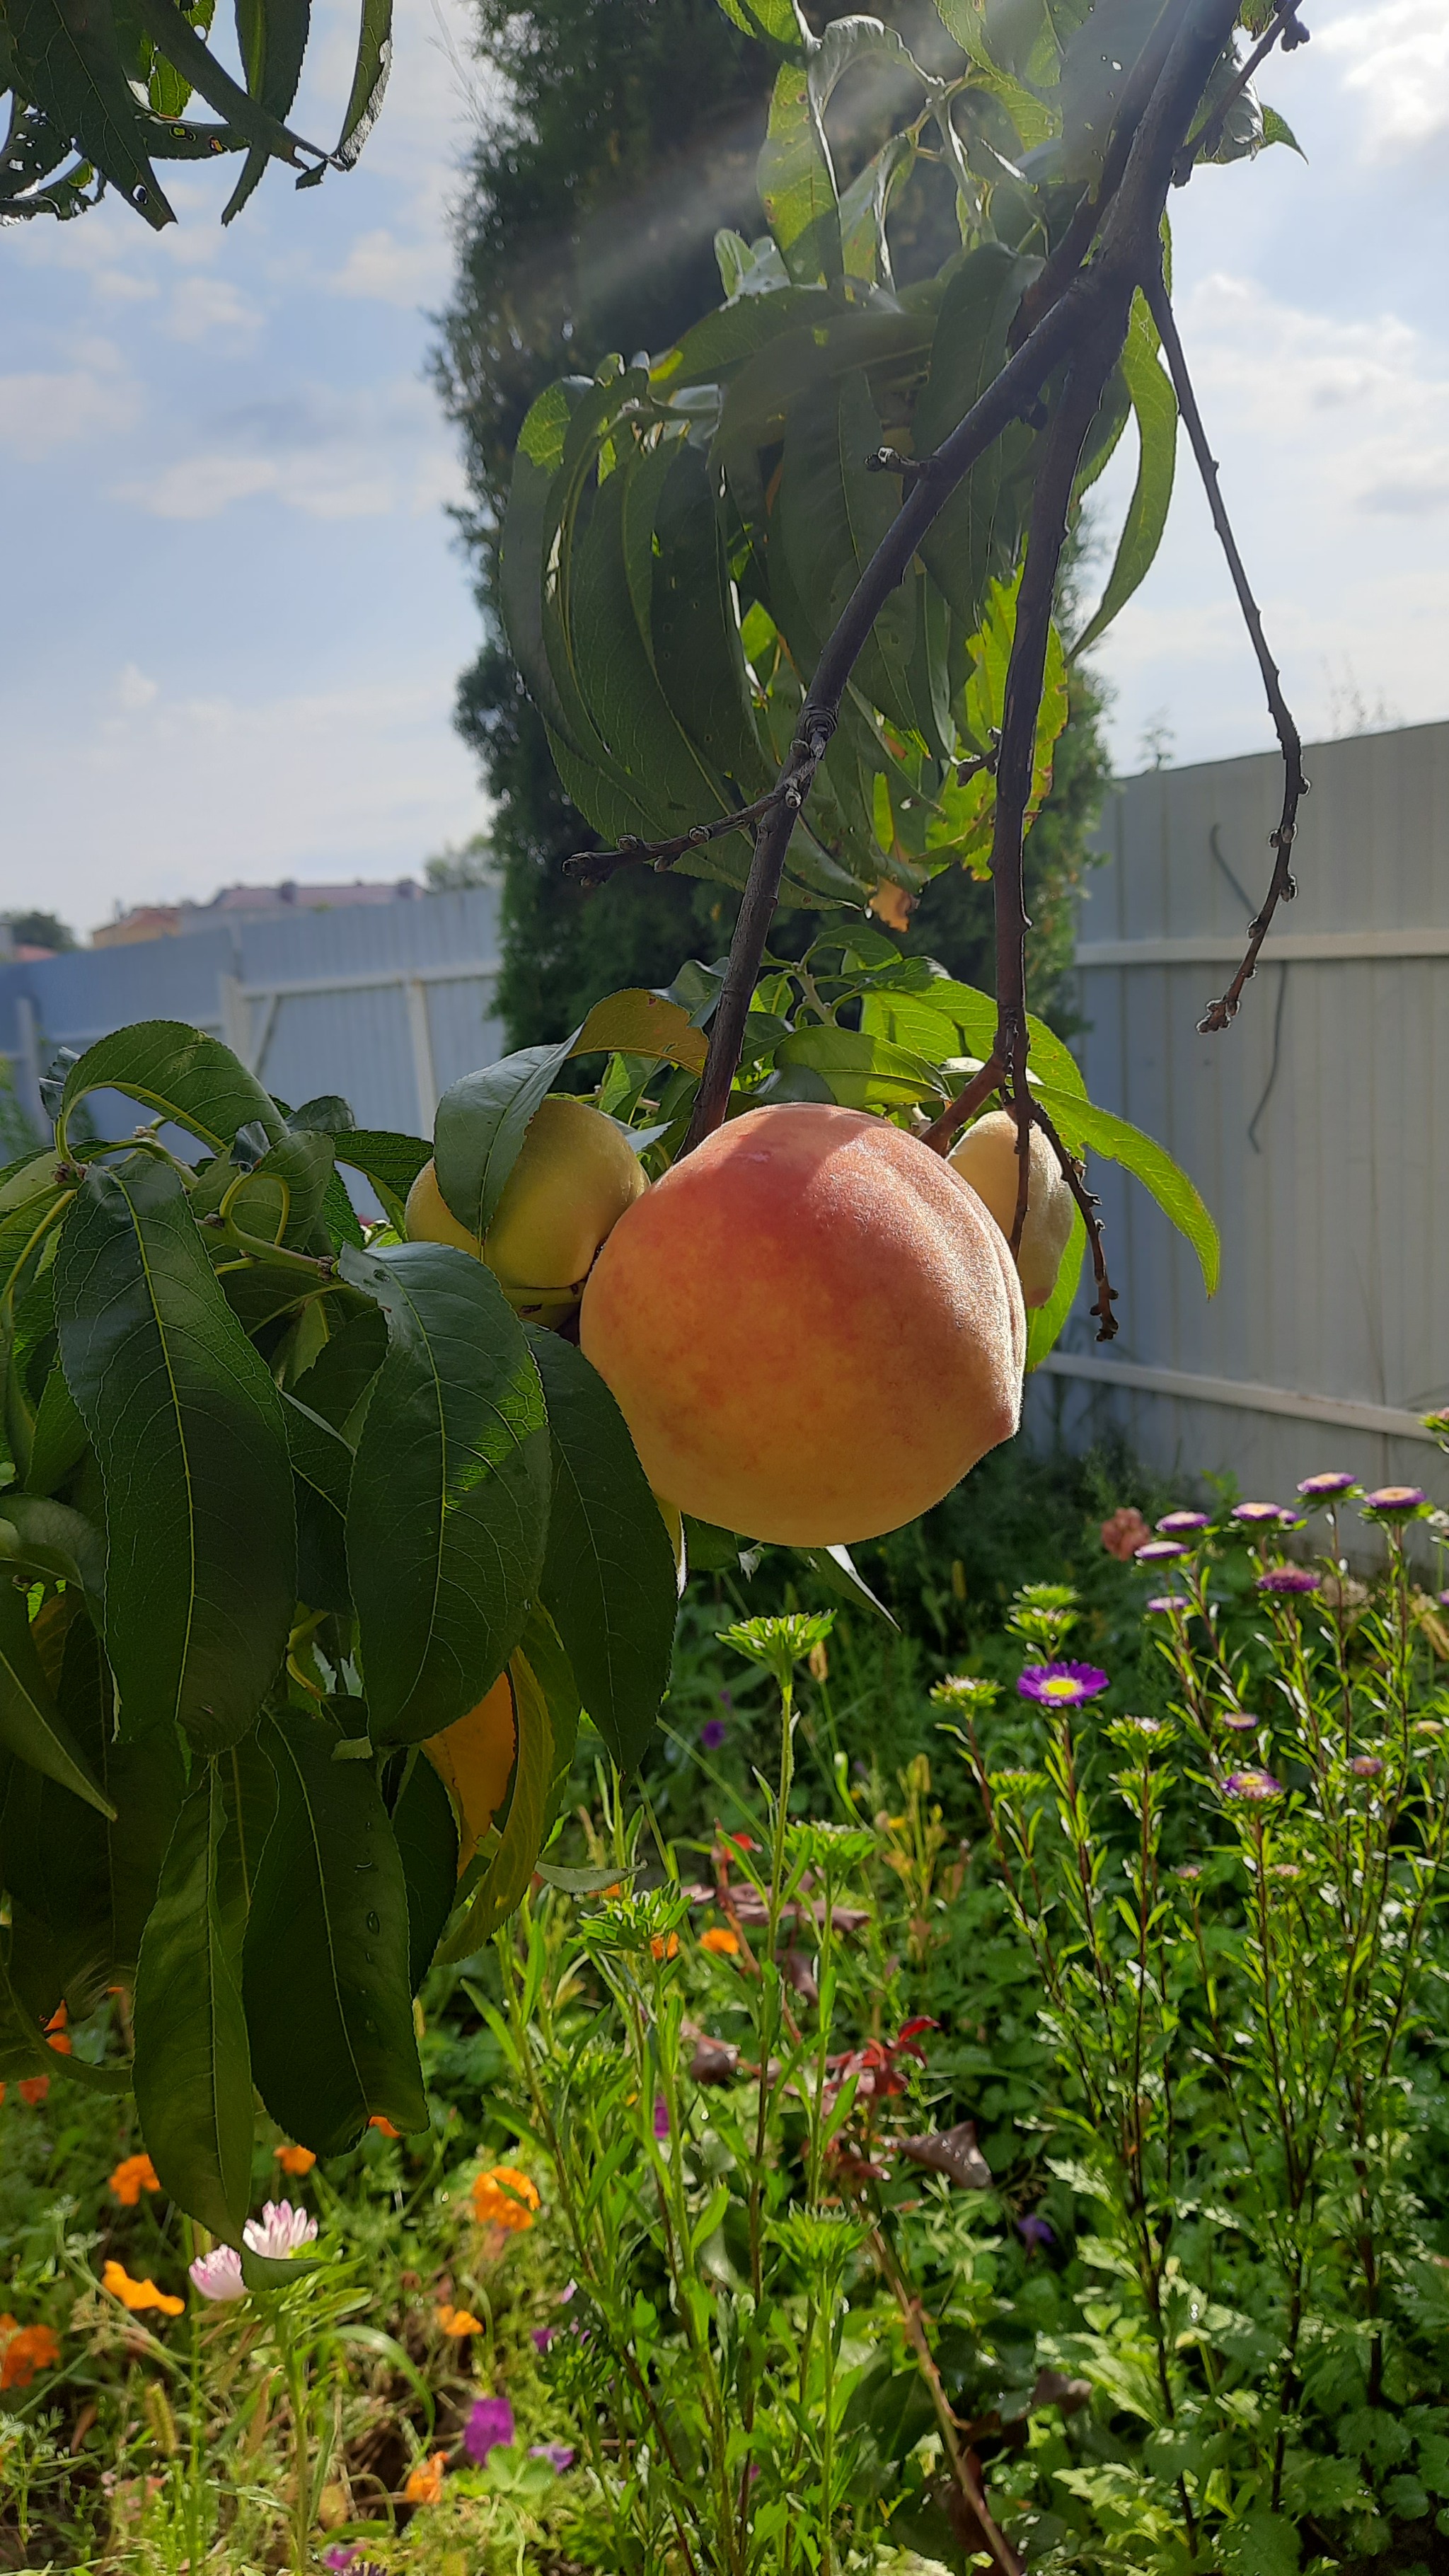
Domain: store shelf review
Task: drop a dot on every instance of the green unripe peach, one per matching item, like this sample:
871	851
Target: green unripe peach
575	1175
986	1157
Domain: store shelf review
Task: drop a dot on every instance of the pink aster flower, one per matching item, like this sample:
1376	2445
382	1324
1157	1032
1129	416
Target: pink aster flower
218	2275
489	2426
559	2455
1158	1551
1259	1515
1061	1685
1395	1502
1258	1787
281	2230
1177	1524
1324	1488
1166	1601
1288	1578
1365	1766
1239	1721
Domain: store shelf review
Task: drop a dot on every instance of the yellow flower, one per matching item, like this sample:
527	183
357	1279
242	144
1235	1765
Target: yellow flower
295	2160
504	2197
725	1945
457	2322
138	2294
133	2175
425	2482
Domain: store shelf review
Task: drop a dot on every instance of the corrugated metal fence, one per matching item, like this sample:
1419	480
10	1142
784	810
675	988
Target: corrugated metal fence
1311	1127
385	1004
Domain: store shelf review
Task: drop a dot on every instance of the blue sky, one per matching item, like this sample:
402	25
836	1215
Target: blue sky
236	612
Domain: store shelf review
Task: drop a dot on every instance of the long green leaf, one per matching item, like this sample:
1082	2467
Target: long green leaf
608	1575
1154	407
180	1075
70	65
426	1833
31	1725
797	182
272	39
448	1503
187	1430
192	2068
1085	1127
863	1071
1044	1324
369	79
325	1973
391	1163
176	38
975	538
481	1123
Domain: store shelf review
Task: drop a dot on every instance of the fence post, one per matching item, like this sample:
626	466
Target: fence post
420	1031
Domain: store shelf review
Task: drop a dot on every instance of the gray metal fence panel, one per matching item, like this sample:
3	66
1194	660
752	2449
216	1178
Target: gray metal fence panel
386	1004
1311	1127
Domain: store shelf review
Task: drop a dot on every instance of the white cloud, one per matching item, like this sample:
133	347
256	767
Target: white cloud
211	304
42	408
134	691
394	271
1397	57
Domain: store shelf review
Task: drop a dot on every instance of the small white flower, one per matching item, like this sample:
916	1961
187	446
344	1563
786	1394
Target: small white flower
281	2230
218	2275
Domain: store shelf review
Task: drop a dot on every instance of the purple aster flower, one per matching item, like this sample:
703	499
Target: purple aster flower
712	1734
542	2337
1258	1787
1061	1685
1365	1766
1288	1578
1158	1551
1174	1524
1259	1515
1395	1502
1323	1488
1035	2231
489	2426
661	2116
559	2455
1239	1721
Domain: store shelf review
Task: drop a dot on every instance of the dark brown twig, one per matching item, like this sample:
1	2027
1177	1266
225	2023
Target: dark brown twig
595	867
1281	888
1093	306
943	1131
1088	1202
1208	138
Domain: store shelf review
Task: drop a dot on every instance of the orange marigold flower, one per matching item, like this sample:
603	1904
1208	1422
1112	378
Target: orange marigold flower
660	1948
295	2160
425	2482
133	2175
725	1945
34	2088
457	2322
378	2122
138	2294
24	2350
504	2197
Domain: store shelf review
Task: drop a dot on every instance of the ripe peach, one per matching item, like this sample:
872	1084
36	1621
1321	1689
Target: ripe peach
576	1173
473	1758
811	1326
986	1157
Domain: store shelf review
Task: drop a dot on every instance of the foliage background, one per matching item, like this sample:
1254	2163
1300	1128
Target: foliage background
586	225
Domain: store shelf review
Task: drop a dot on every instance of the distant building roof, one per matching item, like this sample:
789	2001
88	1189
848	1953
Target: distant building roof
247	903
